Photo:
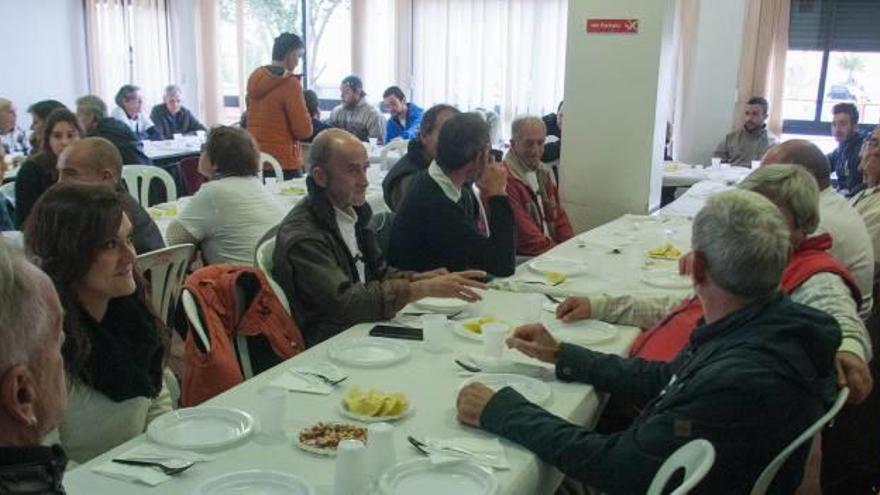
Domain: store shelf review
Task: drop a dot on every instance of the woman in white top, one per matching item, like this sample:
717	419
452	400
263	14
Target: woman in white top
230	213
115	347
130	111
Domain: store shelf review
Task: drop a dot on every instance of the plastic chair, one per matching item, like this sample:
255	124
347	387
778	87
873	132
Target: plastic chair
191	309
165	269
398	147
276	167
138	178
769	473
695	457
265	251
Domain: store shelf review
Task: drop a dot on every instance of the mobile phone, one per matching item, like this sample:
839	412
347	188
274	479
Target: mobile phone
392	332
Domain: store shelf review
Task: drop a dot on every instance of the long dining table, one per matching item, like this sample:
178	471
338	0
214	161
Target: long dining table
614	259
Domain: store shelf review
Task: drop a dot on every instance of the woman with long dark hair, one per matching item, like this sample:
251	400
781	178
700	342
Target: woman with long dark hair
116	347
38	173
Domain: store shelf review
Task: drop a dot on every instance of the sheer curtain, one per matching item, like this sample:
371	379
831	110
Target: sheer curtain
128	42
507	57
762	66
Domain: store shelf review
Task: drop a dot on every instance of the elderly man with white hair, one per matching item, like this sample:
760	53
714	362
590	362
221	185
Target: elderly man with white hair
12	137
33	393
170	117
541	222
757	371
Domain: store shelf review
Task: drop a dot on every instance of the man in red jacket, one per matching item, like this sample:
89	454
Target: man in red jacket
541	222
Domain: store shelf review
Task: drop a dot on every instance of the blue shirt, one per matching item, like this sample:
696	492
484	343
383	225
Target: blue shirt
845	162
413	121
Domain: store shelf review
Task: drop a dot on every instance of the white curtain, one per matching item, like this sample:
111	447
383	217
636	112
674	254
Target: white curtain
129	43
504	56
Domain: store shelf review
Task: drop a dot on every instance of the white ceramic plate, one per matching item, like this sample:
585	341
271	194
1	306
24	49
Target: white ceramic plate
201	428
369	352
256	481
570	268
583	332
459	329
423	477
532	389
665	279
442	305
343	410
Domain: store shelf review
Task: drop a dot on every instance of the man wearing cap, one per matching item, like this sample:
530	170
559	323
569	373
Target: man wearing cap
355	114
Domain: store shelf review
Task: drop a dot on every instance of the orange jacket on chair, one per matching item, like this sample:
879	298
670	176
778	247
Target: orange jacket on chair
277	116
219	290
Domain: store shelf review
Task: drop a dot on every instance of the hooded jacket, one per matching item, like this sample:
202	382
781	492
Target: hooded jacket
276	114
313	265
750	383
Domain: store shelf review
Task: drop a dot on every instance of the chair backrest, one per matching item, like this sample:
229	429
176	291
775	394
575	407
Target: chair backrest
138	178
191	309
276	167
392	152
165	269
265	251
189	170
769	473
695	458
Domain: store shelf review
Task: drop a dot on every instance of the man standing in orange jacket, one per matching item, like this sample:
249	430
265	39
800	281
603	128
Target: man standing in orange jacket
276	110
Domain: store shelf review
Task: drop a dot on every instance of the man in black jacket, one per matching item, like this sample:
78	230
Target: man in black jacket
170	117
756	373
92	114
441	222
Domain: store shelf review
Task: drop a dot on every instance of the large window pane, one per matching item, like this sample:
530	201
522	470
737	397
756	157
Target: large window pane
853	77
802	71
328	37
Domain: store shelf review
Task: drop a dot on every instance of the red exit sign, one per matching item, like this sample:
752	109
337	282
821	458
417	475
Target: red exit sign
613	26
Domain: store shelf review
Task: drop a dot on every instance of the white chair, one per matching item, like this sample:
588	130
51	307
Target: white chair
138	178
267	158
695	457
8	190
392	152
769	473
165	269
305	150
190	308
265	251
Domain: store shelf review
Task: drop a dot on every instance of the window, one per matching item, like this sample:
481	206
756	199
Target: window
328	42
129	43
833	56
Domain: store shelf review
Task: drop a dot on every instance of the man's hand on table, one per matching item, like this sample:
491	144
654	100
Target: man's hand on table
852	372
459	285
535	341
428	275
574	309
472	400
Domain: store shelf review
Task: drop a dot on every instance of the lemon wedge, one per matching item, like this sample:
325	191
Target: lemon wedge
555	278
476	326
375	403
666	252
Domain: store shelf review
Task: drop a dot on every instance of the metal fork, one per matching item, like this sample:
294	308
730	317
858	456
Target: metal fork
472	369
423	448
553	299
324	378
538	282
168	470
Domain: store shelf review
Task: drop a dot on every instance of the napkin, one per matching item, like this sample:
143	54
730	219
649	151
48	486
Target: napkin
298	379
483	451
144	474
506	365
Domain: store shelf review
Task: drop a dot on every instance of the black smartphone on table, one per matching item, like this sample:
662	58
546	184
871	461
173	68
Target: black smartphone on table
392	332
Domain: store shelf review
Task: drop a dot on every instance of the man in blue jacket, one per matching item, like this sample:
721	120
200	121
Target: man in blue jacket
845	158
405	117
756	373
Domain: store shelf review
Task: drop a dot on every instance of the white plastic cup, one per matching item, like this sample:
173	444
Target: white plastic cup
533	308
381	455
493	339
716	162
433	331
273	407
177	136
350	476
200	134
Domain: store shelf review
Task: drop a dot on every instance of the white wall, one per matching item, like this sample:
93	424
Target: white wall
710	87
44	54
617	91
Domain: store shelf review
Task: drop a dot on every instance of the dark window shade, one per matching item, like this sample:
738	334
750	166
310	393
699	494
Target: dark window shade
838	25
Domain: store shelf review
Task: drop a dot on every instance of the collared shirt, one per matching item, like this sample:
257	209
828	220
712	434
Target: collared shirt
529	177
16	141
347	220
139	125
446	185
363	120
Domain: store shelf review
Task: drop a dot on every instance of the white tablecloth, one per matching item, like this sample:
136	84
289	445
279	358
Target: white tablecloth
429	380
173	148
689	203
684	175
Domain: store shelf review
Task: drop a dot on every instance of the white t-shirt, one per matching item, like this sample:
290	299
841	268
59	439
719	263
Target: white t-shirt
229	216
851	242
